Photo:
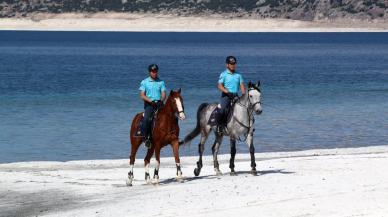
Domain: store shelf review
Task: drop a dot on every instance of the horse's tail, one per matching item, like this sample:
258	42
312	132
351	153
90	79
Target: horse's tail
197	129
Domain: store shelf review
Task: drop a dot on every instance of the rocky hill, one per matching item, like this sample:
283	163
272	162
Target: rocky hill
286	9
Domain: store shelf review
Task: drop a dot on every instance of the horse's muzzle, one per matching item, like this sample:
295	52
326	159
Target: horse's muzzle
182	116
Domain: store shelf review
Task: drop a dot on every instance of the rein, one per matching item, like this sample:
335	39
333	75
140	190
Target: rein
171	115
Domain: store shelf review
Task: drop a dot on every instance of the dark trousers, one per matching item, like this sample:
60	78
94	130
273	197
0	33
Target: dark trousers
147	120
225	107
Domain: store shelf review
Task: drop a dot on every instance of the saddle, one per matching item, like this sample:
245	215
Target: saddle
213	116
139	129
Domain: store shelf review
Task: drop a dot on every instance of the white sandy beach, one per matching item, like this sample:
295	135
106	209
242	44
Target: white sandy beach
336	182
170	23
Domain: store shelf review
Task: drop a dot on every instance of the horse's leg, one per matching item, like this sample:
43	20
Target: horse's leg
232	155
132	157
215	149
147	161
156	171
175	148
201	149
252	152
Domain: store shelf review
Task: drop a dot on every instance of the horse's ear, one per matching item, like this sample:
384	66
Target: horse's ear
179	91
171	92
250	85
258	83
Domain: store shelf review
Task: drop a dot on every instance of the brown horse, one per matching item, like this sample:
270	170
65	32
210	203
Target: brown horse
166	131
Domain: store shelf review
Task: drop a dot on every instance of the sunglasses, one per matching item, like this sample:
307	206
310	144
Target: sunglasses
154	71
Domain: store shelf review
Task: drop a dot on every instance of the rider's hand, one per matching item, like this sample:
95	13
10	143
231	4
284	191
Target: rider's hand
230	95
154	104
158	104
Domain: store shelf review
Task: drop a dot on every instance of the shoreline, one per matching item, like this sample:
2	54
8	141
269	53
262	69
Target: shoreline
259	156
326	182
169	23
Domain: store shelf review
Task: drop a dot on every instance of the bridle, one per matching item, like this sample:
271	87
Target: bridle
183	107
250	105
250	110
183	111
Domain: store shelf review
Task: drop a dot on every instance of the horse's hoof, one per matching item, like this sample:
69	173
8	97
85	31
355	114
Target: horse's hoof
254	172
233	173
148	180
218	173
197	171
155	181
179	179
129	182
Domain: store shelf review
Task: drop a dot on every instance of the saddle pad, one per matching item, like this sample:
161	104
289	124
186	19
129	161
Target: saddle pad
139	131
139	127
213	117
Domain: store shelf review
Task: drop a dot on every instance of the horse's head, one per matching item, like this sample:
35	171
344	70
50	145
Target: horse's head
254	97
177	102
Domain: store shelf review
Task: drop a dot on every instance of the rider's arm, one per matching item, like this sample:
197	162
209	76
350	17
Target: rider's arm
142	89
222	88
163	96
242	87
163	91
144	97
221	81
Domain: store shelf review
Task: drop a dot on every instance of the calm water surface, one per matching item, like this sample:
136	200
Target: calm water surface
72	95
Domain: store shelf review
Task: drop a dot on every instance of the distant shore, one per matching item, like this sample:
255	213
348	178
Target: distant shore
170	23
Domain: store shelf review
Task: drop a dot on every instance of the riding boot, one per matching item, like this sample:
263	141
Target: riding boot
148	113
147	137
220	123
222	115
148	142
220	128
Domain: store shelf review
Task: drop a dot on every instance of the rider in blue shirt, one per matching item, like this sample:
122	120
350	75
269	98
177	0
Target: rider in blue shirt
229	84
153	93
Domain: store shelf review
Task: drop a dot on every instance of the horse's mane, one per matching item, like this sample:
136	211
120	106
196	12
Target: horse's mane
167	102
251	87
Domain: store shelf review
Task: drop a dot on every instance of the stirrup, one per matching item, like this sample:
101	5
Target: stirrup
220	128
148	143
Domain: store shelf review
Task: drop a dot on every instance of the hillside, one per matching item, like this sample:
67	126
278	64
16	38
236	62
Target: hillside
307	10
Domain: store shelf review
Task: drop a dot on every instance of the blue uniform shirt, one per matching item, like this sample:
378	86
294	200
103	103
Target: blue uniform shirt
152	88
231	81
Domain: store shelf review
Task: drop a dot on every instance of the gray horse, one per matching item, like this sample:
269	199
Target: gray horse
239	125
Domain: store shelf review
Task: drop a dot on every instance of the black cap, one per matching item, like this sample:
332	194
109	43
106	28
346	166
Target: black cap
231	60
153	67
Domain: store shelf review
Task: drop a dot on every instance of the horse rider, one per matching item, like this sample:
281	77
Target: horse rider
229	83
153	93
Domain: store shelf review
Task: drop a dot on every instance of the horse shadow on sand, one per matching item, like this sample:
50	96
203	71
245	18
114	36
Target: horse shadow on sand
265	172
188	179
208	177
